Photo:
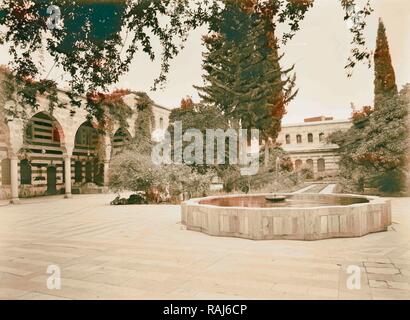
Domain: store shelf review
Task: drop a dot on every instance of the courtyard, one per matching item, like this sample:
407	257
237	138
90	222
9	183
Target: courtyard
143	252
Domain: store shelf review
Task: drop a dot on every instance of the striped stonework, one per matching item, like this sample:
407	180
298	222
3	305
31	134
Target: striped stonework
62	152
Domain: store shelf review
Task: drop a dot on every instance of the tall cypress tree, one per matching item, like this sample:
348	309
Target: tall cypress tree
243	77
384	148
374	151
385	78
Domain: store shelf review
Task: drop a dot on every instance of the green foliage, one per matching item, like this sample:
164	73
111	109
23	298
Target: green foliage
108	107
266	180
374	152
384	76
145	121
24	92
133	170
99	38
200	117
243	78
136	198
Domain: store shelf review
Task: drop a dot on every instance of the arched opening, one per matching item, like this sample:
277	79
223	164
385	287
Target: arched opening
321	165
310	138
86	152
287	138
25	172
43	146
121	140
321	137
309	164
298	165
299	138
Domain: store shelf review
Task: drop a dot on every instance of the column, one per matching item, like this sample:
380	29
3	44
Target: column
67	174
315	168
107	158
14	180
106	172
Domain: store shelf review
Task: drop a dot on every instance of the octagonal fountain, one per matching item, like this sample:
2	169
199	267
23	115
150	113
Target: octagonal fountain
287	216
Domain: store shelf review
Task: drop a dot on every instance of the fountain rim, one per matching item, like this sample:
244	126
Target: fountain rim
371	200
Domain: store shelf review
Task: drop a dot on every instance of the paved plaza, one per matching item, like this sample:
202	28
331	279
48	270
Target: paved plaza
143	252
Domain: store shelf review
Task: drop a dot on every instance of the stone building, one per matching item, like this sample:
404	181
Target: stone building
62	152
307	146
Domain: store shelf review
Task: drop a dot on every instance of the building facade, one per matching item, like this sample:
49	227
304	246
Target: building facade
308	147
62	152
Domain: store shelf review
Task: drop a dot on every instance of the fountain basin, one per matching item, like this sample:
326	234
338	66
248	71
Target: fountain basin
300	217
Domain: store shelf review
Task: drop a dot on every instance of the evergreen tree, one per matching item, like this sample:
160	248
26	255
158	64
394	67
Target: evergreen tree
243	77
196	116
385	80
144	123
352	174
405	96
374	151
384	148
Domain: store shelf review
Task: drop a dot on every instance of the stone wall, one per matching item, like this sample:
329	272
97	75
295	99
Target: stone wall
56	139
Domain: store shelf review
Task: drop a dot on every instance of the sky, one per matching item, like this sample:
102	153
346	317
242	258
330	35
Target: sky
319	51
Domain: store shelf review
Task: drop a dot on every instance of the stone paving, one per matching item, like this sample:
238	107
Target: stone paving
143	252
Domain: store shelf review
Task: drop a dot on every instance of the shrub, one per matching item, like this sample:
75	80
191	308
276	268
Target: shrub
134	171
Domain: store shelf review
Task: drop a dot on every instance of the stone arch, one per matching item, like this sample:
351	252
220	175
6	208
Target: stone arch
43	146
45	127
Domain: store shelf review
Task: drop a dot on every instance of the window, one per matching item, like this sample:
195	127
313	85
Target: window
25	172
322	137
310	138
309	164
298	165
321	165
5	172
161	123
287	139
299	138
